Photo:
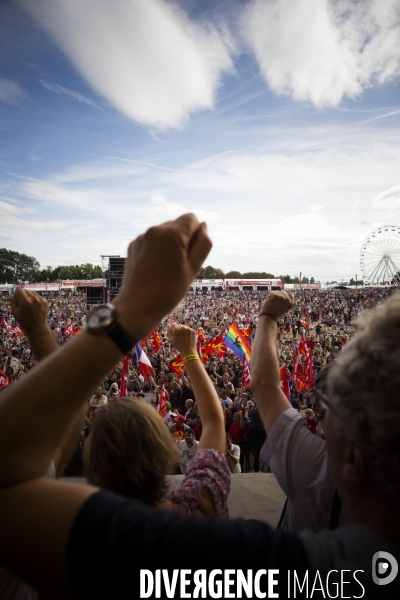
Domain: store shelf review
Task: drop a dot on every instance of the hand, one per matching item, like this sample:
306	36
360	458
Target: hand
183	338
159	269
278	303
30	310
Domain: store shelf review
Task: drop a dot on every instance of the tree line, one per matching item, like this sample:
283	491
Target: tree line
16	267
214	273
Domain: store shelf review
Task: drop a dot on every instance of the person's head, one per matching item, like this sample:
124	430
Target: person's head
99	392
129	451
309	414
189	437
189	404
237	418
228	441
362	423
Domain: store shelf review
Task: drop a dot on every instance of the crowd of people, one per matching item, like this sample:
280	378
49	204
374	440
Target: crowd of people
341	483
325	319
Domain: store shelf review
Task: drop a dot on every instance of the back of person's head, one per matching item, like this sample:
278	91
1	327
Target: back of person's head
363	385
129	451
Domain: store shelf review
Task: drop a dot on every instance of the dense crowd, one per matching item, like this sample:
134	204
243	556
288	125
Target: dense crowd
326	320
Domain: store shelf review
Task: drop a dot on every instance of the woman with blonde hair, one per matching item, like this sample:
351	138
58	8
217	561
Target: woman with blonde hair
130	450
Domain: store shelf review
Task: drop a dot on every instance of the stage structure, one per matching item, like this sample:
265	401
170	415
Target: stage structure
114	275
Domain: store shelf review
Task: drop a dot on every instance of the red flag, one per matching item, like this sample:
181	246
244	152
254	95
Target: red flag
303	346
310	377
125	371
17	330
3	379
68	329
157	343
5	325
207	348
305	324
285	381
298	376
162	401
200	334
177	365
342	342
218	346
75	331
246	373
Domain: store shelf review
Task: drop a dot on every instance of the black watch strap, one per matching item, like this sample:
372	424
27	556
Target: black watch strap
120	337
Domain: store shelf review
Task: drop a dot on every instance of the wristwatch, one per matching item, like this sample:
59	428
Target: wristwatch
102	320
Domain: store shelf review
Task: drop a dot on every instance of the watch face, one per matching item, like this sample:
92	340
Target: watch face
100	317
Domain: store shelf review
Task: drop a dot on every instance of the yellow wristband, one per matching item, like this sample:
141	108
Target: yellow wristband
190	357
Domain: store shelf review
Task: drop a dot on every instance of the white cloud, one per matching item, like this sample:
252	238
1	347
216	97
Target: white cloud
96	171
387	199
301	202
322	50
59	89
145	56
24	225
11	92
161	210
9	209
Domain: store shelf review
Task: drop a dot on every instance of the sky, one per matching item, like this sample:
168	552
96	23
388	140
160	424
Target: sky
275	121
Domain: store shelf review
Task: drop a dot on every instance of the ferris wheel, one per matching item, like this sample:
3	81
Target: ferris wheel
380	256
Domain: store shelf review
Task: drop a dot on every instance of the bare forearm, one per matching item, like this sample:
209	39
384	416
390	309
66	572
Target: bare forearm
265	375
43	342
27	445
206	397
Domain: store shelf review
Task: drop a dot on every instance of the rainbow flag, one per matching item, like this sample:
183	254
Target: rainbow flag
235	341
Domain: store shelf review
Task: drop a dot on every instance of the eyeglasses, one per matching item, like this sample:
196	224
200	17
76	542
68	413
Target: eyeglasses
322	403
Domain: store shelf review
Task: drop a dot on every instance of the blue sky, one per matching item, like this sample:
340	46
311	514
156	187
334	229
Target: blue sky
275	121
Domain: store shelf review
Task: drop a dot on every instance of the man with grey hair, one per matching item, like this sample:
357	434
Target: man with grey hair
361	420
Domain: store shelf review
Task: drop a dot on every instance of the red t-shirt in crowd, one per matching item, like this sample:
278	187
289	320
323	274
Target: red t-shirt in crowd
238	434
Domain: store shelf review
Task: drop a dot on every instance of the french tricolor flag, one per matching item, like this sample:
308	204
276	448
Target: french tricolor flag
143	362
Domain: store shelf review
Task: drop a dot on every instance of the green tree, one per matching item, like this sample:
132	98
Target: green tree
233	275
258	275
210	273
16	267
286	278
